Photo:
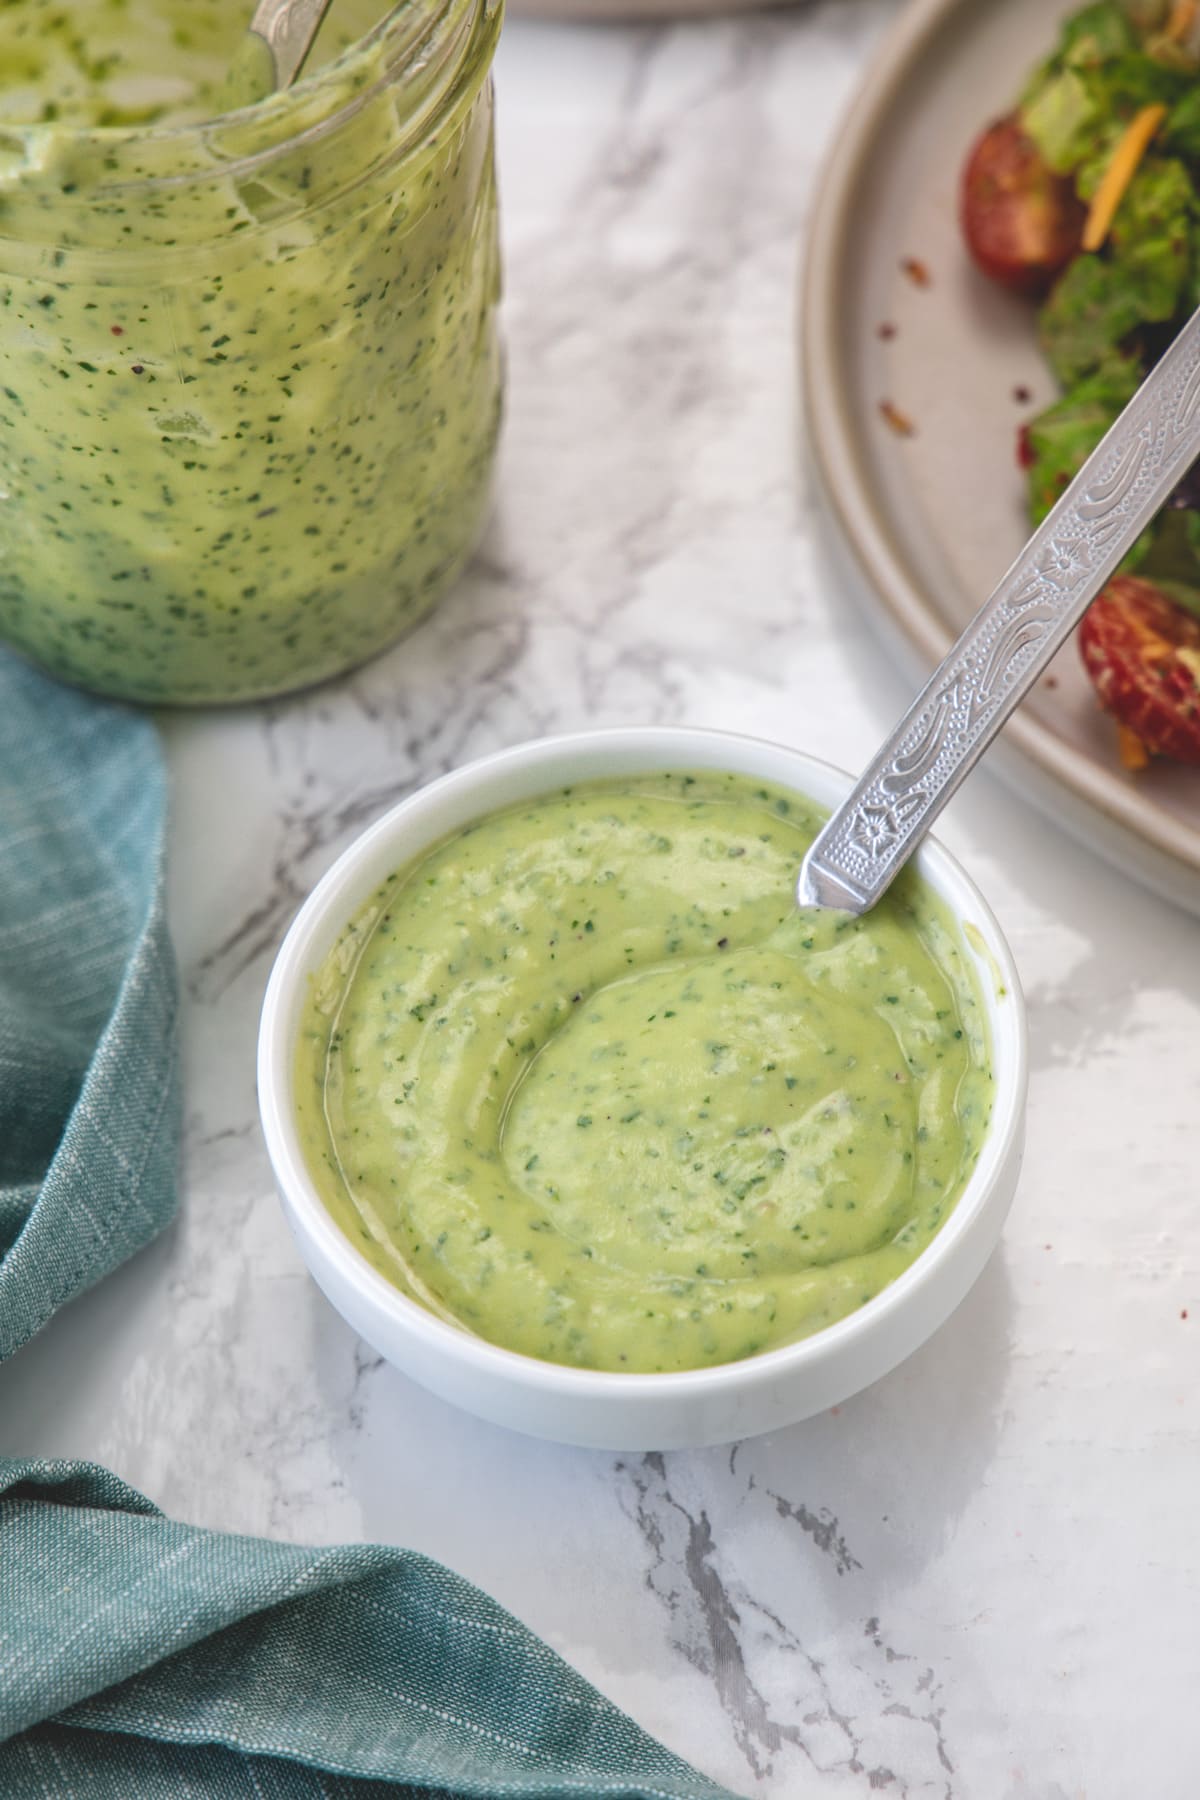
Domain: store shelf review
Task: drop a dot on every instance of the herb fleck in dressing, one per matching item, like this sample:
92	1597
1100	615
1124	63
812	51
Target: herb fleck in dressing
583	1080
249	368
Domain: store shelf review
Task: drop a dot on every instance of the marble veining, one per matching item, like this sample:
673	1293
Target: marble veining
789	1709
980	1579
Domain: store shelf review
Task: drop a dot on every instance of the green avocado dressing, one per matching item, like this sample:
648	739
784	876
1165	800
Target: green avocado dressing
583	1080
249	367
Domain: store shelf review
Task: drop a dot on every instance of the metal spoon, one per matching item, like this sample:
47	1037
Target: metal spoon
272	53
1012	637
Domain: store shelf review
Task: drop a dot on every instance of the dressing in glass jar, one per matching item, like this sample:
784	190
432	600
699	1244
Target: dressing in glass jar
250	373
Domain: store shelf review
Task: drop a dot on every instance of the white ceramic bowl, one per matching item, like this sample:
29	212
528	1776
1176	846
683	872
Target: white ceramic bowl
618	1411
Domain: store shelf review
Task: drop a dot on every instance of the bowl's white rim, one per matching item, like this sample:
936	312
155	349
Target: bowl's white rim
336	896
833	444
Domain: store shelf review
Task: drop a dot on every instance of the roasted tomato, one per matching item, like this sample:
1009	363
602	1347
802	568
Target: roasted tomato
1022	222
1143	655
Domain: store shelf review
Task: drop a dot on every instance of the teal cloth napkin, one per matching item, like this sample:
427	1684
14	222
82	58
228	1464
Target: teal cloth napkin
142	1659
89	1080
148	1657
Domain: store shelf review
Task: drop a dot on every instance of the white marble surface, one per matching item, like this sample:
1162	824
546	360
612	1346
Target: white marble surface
982	1577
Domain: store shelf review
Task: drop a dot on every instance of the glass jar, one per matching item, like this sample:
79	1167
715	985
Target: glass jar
250	373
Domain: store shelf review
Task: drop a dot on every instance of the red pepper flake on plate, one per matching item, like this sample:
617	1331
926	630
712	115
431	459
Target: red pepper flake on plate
917	271
897	421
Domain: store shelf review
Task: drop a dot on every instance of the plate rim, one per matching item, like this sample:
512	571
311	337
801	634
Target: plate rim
862	519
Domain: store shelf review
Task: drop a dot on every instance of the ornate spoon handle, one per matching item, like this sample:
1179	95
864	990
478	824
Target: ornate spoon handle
1012	637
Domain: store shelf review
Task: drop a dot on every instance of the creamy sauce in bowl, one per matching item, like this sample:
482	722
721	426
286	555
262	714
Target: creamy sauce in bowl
581	1079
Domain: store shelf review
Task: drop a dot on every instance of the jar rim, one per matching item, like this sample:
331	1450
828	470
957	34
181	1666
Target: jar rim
418	34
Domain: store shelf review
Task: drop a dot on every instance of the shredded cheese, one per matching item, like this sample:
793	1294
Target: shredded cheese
1191	662
1180	23
1134	143
1132	751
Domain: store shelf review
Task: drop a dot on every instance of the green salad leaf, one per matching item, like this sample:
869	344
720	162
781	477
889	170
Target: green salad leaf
1060	440
1077	112
1128	82
1090	172
1090	313
1096	33
1181	131
1064	118
1151	237
1061	108
1171	557
1112	311
1143	277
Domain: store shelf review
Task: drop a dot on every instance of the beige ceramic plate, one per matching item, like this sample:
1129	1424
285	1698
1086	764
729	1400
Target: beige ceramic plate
933	520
